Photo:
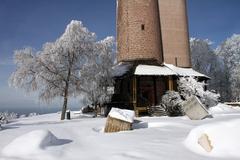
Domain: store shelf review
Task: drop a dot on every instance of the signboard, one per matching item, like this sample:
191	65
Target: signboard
194	109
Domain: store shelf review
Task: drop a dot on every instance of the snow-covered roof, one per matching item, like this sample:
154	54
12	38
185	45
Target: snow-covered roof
166	69
153	70
185	71
121	68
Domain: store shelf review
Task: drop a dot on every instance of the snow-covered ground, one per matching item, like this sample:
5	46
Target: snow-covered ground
45	137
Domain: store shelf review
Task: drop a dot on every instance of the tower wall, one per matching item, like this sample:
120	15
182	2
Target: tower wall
138	30
174	30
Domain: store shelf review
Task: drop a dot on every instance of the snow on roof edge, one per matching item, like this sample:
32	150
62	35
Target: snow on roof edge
153	70
121	68
185	71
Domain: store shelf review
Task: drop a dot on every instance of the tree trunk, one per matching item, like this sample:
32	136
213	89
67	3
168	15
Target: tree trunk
64	109
95	110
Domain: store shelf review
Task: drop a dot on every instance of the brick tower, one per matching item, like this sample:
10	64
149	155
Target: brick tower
138	32
174	29
154	30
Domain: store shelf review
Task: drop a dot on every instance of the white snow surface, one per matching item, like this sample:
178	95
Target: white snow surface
166	69
30	143
184	71
224	138
223	108
153	70
122	114
153	138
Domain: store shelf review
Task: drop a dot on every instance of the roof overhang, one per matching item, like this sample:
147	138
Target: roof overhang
153	70
185	71
167	70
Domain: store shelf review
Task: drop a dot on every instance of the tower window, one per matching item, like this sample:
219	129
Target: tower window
142	27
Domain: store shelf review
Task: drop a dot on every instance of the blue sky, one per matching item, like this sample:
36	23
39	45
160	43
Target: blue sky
34	22
215	20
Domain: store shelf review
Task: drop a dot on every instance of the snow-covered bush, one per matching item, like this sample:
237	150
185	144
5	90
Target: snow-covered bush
5	117
23	116
172	102
32	114
87	109
159	110
188	86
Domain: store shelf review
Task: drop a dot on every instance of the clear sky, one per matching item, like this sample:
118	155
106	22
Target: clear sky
34	22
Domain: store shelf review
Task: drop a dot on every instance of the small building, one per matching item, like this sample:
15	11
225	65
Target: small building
140	86
152	52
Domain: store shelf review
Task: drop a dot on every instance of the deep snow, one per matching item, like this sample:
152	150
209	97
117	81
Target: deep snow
153	138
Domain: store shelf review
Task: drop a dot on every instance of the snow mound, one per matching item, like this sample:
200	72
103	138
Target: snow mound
223	137
30	143
122	114
223	108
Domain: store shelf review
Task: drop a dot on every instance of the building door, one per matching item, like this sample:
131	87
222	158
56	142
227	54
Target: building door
146	97
161	88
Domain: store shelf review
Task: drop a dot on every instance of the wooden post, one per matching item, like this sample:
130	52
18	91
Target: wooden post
155	91
134	96
170	83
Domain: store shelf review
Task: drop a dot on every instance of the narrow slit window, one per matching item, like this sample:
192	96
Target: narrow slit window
143	27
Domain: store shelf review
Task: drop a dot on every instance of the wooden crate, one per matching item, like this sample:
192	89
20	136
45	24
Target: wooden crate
116	125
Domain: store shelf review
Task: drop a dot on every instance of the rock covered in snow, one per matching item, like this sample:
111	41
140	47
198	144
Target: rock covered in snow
30	143
223	137
122	114
205	142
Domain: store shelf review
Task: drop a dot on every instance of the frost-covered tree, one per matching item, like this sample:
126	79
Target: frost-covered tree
97	73
230	52
189	86
205	60
6	117
54	71
202	55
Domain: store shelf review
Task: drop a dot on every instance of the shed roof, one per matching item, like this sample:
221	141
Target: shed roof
153	70
166	69
185	71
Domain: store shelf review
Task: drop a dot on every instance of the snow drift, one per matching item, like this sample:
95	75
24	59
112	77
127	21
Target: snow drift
30	143
223	108
223	136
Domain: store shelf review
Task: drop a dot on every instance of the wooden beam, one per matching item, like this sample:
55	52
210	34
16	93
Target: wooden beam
134	96
170	83
155	90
